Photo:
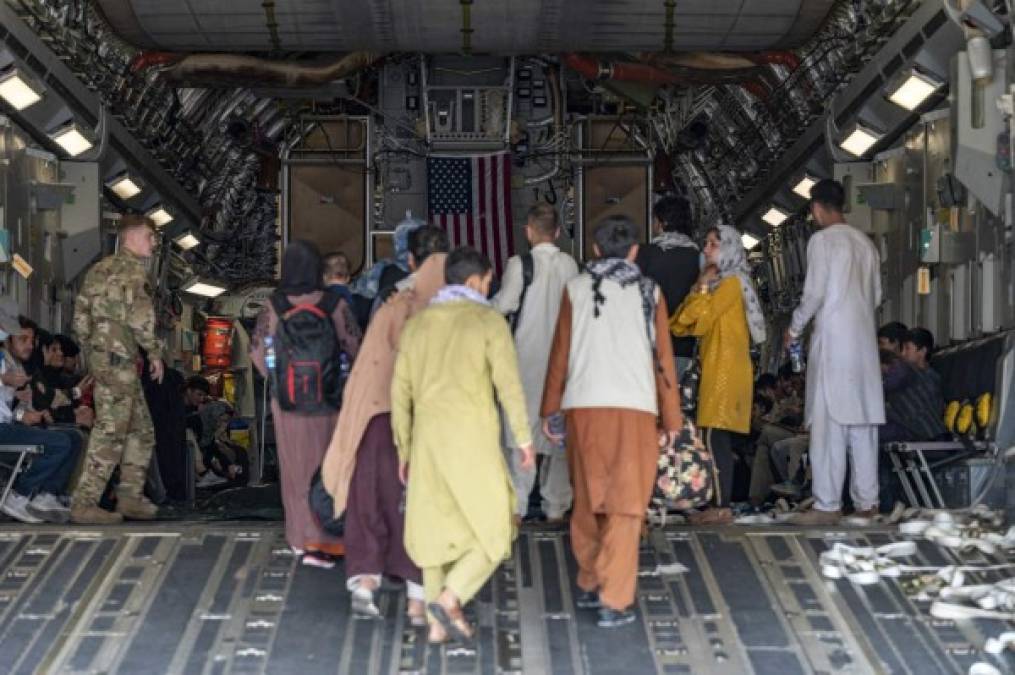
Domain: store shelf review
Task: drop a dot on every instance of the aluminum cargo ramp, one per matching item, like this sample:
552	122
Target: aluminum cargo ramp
225	598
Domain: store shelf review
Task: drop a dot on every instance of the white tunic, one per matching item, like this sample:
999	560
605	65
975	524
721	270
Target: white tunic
552	269
842	292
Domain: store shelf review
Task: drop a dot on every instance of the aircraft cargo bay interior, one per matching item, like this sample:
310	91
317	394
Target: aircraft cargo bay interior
522	337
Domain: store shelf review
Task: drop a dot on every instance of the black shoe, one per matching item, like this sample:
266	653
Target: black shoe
587	600
611	618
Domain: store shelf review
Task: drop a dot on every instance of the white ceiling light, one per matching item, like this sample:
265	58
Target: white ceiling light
859	140
913	89
775	216
124	186
750	241
803	188
72	139
186	241
19	90
159	215
208	289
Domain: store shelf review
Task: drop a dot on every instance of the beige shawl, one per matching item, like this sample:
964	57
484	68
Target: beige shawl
368	391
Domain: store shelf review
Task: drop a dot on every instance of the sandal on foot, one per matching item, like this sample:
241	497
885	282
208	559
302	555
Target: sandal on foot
454	626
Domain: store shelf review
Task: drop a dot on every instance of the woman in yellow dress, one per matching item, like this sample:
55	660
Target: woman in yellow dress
723	312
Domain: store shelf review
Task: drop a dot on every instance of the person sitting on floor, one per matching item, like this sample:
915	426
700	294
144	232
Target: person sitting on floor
39	493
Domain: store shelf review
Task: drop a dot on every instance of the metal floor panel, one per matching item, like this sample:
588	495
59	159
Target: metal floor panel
226	598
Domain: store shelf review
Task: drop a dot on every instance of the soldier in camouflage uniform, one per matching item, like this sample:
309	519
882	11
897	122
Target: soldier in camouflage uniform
113	316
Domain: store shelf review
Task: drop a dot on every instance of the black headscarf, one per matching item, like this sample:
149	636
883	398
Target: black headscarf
302	269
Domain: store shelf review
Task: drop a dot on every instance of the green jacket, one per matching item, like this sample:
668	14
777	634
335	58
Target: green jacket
114	312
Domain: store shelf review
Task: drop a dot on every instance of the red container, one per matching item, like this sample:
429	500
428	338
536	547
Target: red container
218	342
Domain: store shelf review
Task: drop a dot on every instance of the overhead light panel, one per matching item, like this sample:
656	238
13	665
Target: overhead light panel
19	90
859	140
160	216
749	240
72	139
187	240
914	88
803	188
203	287
775	216
125	186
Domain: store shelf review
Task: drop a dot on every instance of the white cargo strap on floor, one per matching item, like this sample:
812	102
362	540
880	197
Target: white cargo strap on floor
865	565
951	531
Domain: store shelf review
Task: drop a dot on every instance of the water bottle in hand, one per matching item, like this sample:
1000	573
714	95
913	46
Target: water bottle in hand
796	356
269	353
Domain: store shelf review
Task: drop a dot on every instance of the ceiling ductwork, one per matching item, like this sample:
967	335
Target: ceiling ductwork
519	26
232	70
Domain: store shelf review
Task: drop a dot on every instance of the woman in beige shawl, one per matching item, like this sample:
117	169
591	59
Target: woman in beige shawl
360	469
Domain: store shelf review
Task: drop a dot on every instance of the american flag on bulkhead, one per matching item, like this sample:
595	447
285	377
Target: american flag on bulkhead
470	197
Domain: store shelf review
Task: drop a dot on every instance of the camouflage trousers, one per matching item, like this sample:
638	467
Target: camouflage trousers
123	433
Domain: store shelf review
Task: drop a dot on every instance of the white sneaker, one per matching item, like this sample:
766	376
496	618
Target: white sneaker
16	506
210	479
49	508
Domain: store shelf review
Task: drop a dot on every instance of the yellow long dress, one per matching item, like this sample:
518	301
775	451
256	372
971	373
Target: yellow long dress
452	358
727	377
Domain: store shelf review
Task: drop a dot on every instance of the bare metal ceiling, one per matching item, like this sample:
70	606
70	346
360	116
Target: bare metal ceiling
503	26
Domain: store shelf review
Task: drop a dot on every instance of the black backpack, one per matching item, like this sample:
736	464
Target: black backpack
310	366
528	272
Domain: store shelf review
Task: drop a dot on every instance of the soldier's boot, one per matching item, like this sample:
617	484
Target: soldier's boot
93	514
136	508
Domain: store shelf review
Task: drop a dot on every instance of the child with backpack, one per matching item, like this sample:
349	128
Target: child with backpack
305	341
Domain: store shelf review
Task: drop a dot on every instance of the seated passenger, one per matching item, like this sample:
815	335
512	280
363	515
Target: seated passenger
913	401
891	335
39	493
71	371
52	390
767	386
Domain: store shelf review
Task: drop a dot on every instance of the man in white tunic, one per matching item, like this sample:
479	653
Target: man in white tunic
534	307
845	402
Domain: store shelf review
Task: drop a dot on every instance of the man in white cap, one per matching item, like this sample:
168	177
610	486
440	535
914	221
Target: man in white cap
38	494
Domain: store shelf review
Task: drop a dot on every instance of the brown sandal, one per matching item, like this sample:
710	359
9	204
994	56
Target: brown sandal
715	515
453	622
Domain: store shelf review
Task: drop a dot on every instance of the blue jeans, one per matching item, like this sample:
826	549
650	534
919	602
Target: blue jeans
51	471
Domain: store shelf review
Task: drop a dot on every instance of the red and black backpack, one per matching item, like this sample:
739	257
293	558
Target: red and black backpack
310	371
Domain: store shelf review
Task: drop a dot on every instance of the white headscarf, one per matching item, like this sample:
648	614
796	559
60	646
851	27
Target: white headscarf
733	262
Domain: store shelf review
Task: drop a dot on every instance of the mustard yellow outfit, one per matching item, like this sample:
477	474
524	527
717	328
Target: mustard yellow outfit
718	319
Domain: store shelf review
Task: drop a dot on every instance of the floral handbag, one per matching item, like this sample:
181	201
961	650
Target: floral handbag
684	475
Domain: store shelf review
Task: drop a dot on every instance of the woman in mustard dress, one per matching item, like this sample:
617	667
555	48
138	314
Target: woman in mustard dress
723	312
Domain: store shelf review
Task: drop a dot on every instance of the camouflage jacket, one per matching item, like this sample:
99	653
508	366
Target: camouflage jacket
114	312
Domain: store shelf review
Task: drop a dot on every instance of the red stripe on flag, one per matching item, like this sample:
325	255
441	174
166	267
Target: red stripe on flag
479	191
493	215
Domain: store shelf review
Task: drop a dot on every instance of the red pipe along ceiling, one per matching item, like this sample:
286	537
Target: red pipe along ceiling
594	69
145	60
788	59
